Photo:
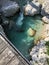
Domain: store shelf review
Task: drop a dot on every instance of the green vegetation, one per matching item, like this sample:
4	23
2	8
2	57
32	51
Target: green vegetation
47	44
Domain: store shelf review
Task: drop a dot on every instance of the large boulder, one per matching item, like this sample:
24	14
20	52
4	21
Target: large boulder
32	8
2	30
45	19
9	8
45	8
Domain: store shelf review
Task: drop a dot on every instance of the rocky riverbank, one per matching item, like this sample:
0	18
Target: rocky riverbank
38	52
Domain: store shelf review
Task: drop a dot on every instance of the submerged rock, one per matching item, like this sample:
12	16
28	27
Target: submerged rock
45	8
31	32
19	22
45	19
32	8
9	8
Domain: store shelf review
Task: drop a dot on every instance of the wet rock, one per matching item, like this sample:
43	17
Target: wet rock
32	8
45	8
31	32
45	19
9	8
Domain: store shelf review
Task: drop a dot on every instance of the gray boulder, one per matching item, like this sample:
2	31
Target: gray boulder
45	8
45	19
32	8
9	8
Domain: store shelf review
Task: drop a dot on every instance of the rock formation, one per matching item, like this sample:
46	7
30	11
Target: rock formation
45	19
9	8
32	8
45	8
38	54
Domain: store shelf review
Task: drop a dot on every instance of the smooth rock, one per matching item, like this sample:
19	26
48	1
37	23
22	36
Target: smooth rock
45	8
46	39
45	19
9	8
32	8
31	32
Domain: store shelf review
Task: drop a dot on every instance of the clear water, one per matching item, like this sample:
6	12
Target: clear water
22	41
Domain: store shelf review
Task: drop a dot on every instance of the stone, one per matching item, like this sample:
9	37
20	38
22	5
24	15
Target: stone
45	19
46	39
9	8
31	32
32	8
38	54
45	8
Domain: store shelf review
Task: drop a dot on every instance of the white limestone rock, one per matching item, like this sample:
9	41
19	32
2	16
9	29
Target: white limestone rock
45	19
32	8
45	8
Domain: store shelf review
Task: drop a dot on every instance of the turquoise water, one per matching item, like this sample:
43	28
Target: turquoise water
22	41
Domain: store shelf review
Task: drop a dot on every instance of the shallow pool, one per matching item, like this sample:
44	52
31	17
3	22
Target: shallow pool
22	41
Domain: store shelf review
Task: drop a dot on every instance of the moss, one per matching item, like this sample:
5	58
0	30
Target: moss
47	45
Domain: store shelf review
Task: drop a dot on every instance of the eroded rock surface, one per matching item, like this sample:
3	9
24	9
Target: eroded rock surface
31	32
45	8
32	8
45	19
38	54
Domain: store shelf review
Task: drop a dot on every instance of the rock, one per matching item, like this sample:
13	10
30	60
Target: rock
46	39
45	19
32	8
31	32
38	54
45	8
9	8
41	1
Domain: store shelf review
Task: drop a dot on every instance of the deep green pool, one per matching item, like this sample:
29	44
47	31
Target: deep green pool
22	41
